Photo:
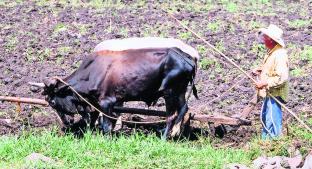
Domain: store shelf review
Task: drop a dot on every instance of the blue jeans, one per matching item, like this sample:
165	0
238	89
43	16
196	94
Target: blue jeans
272	117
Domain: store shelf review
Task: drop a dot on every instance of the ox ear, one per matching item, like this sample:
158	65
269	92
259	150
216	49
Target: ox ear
49	82
49	86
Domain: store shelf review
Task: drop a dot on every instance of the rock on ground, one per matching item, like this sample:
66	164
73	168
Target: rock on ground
34	157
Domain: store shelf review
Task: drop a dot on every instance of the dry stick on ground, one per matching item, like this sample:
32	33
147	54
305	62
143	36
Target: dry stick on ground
239	68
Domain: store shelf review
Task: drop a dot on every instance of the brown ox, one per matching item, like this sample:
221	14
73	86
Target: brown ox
116	73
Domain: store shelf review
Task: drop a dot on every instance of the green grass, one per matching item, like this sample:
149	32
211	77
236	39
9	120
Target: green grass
205	63
12	43
64	50
231	7
213	26
185	35
98	151
297	72
299	23
307	53
137	150
60	27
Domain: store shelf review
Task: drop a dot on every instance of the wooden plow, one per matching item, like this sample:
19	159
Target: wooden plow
215	119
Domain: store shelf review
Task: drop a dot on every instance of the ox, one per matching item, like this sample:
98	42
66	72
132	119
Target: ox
133	69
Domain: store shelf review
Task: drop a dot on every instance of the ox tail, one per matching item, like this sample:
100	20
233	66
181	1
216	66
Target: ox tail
194	90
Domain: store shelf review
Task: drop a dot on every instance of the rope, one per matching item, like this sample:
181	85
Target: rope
101	112
239	68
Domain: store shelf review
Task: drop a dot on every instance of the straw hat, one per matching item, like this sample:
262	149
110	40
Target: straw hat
275	33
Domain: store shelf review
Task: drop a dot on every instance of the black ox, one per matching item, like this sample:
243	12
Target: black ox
107	78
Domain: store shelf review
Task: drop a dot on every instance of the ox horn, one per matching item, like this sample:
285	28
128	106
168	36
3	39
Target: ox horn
40	85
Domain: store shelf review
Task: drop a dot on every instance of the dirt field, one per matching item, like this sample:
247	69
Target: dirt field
43	39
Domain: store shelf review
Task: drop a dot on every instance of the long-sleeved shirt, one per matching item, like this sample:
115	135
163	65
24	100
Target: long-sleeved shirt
275	71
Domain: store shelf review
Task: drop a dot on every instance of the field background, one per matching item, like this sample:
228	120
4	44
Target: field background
49	38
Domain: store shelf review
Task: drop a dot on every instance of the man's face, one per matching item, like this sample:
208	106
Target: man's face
268	42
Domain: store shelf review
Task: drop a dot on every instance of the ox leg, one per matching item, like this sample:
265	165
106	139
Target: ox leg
87	118
171	76
94	118
179	121
170	109
105	123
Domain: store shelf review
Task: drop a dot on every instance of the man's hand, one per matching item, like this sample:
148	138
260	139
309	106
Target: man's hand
261	84
256	71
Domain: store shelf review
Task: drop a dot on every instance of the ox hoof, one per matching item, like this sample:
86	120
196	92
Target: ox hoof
105	124
118	125
181	127
176	130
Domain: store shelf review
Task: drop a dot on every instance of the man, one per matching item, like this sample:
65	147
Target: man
273	79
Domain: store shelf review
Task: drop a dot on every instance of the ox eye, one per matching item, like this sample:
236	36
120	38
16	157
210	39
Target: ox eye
52	102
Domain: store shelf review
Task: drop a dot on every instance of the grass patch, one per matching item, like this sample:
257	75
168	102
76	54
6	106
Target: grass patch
231	7
306	54
99	4
83	28
297	72
299	23
64	50
11	43
138	151
185	35
213	26
205	63
98	151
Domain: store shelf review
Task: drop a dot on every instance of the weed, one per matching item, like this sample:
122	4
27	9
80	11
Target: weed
297	72
220	46
11	43
83	28
2	113
299	23
100	4
213	26
43	55
306	54
218	67
64	50
231	7
255	25
205	63
185	35
77	64
29	54
202	50
124	31
59	60
60	27
258	49
264	1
